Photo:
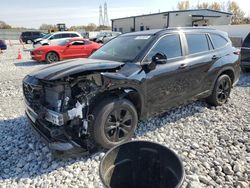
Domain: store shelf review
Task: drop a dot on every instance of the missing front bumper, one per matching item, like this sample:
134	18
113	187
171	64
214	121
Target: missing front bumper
62	148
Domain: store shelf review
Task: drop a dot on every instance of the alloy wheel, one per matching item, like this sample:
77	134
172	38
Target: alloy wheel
52	57
223	91
118	125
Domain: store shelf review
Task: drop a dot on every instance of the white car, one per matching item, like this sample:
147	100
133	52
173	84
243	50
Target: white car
54	38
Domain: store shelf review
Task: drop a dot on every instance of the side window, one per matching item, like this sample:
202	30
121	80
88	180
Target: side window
197	43
218	41
74	35
27	34
78	43
36	34
65	35
57	36
169	45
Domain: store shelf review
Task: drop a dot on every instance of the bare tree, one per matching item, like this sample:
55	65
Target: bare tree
3	25
91	27
47	27
216	6
183	5
203	5
238	14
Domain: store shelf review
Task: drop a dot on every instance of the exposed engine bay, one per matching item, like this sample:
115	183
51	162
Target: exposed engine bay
62	107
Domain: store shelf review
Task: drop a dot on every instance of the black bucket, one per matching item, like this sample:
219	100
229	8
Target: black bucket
141	164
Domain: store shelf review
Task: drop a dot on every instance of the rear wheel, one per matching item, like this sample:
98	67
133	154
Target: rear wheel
52	57
29	41
115	122
221	91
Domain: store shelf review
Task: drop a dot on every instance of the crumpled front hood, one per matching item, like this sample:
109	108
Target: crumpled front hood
71	67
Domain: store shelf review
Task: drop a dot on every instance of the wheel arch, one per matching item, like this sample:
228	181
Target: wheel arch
125	93
228	71
59	56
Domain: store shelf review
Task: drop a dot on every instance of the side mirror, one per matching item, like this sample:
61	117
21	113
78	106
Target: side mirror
159	58
156	59
68	45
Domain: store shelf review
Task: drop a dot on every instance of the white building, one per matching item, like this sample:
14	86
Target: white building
180	18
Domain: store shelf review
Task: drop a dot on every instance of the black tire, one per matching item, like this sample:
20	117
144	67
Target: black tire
109	127
221	91
52	57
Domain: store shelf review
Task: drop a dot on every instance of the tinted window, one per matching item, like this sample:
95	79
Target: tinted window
218	41
65	35
58	36
197	43
74	35
131	47
78	43
26	34
36	34
168	45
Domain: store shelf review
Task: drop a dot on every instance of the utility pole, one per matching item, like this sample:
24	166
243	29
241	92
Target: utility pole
106	19
101	22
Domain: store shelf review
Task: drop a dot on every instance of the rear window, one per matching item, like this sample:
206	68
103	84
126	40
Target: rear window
197	43
218	41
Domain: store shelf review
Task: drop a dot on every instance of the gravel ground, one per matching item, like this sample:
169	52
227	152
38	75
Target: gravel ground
213	142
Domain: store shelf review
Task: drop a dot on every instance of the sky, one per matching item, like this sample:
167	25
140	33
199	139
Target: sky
33	13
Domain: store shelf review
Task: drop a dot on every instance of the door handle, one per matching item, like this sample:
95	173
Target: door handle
183	66
215	57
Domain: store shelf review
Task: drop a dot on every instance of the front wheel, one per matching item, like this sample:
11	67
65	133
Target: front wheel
115	122
221	91
52	57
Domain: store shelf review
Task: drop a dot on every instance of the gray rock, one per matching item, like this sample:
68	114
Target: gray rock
195	146
237	167
204	179
194	185
193	178
206	165
227	169
242	184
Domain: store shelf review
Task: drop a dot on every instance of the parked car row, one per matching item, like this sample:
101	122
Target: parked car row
59	39
98	101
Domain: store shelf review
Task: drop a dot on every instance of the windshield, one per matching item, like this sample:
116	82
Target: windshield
122	49
47	36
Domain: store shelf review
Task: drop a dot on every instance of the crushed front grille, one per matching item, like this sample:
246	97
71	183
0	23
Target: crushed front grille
32	95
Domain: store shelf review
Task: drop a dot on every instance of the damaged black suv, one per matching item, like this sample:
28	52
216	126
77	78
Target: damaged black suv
98	101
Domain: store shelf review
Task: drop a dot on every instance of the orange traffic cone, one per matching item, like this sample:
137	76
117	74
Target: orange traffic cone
19	56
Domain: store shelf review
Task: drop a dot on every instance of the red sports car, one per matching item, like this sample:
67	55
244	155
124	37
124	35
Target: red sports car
66	49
